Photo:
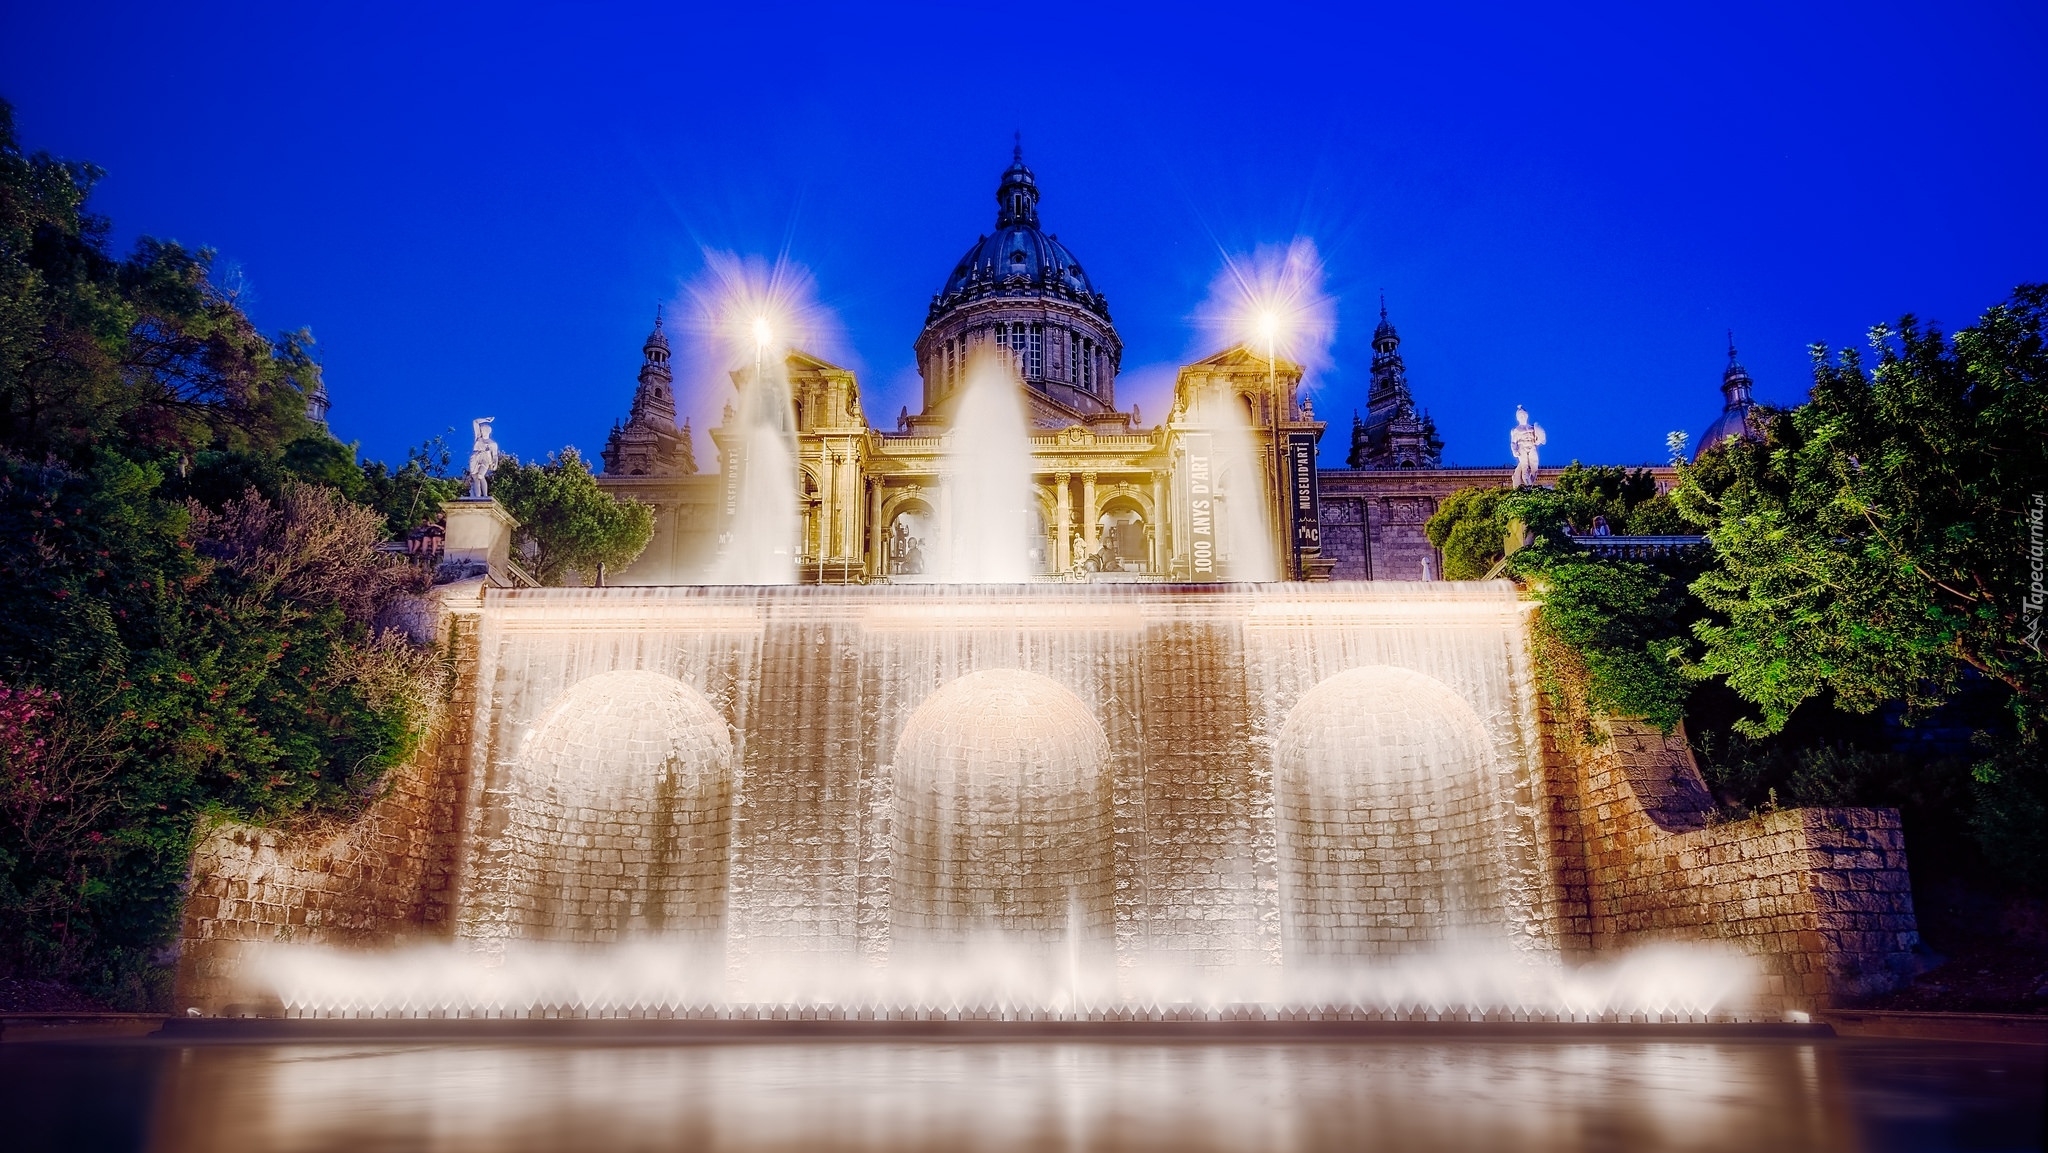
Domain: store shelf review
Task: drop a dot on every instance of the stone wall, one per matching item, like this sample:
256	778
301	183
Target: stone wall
383	879
1372	519
1820	896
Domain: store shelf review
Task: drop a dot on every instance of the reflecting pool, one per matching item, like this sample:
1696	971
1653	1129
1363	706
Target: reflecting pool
1822	1095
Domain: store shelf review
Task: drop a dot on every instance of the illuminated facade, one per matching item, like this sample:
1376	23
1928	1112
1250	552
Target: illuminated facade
1116	499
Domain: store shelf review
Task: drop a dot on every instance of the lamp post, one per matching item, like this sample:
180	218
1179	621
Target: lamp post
1269	327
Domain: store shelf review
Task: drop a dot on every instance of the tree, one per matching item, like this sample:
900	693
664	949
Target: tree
414	493
147	352
1874	545
191	593
1468	529
566	522
1625	620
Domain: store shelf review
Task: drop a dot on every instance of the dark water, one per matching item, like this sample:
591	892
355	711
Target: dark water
1824	1095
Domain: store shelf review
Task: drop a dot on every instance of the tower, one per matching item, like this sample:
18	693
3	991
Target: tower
648	442
1393	434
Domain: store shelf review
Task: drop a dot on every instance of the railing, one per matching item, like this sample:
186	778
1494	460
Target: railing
1641	547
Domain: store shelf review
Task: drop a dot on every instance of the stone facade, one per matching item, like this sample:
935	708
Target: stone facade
1115	498
1115	495
1373	519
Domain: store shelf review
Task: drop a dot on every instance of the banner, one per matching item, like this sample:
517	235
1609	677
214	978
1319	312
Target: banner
1201	507
1306	499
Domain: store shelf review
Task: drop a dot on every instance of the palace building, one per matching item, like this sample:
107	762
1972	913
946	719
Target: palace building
1116	500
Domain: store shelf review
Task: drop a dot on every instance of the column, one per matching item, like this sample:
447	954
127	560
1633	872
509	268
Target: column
1088	525
1063	540
849	505
943	547
1158	525
826	519
877	554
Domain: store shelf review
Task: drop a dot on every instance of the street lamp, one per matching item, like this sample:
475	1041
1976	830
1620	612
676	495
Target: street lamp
762	335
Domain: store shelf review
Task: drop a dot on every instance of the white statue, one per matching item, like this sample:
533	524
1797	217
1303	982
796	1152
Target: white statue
483	457
1524	439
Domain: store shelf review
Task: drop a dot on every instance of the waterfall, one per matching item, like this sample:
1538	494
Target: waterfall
1033	799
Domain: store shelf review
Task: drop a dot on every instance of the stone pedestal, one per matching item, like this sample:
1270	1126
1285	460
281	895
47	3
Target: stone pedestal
479	530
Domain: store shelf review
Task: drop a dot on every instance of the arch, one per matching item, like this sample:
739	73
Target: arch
1001	813
909	536
1395	819
1124	528
619	813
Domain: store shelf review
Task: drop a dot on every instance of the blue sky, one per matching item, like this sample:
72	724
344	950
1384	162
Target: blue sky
476	210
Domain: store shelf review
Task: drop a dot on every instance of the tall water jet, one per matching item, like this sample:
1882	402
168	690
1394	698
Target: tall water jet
1229	490
988	523
757	540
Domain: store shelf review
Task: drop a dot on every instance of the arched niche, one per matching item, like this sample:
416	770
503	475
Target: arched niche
1001	813
1395	820
910	537
1124	533
618	814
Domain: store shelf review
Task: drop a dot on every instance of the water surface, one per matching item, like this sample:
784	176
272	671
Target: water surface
1822	1095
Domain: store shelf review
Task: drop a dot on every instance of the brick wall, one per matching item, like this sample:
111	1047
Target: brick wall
1820	896
383	879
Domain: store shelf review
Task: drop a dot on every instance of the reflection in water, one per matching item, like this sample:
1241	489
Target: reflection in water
1386	1095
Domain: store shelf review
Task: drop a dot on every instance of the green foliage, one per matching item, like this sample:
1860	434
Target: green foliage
1626	621
1471	525
1468	529
2010	817
566	522
414	493
146	351
1873	545
187	628
1604	490
209	662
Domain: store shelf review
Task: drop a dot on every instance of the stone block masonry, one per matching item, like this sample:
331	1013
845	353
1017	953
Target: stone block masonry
1820	897
384	879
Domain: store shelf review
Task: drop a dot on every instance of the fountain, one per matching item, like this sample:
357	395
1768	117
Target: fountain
759	527
986	790
990	801
987	490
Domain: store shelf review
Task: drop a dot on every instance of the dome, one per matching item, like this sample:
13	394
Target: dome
1738	410
1018	259
1733	422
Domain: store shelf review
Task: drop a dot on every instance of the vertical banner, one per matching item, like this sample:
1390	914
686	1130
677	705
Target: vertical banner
1201	508
735	472
1306	499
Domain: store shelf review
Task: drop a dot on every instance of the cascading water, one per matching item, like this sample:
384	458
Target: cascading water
1067	801
988	479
